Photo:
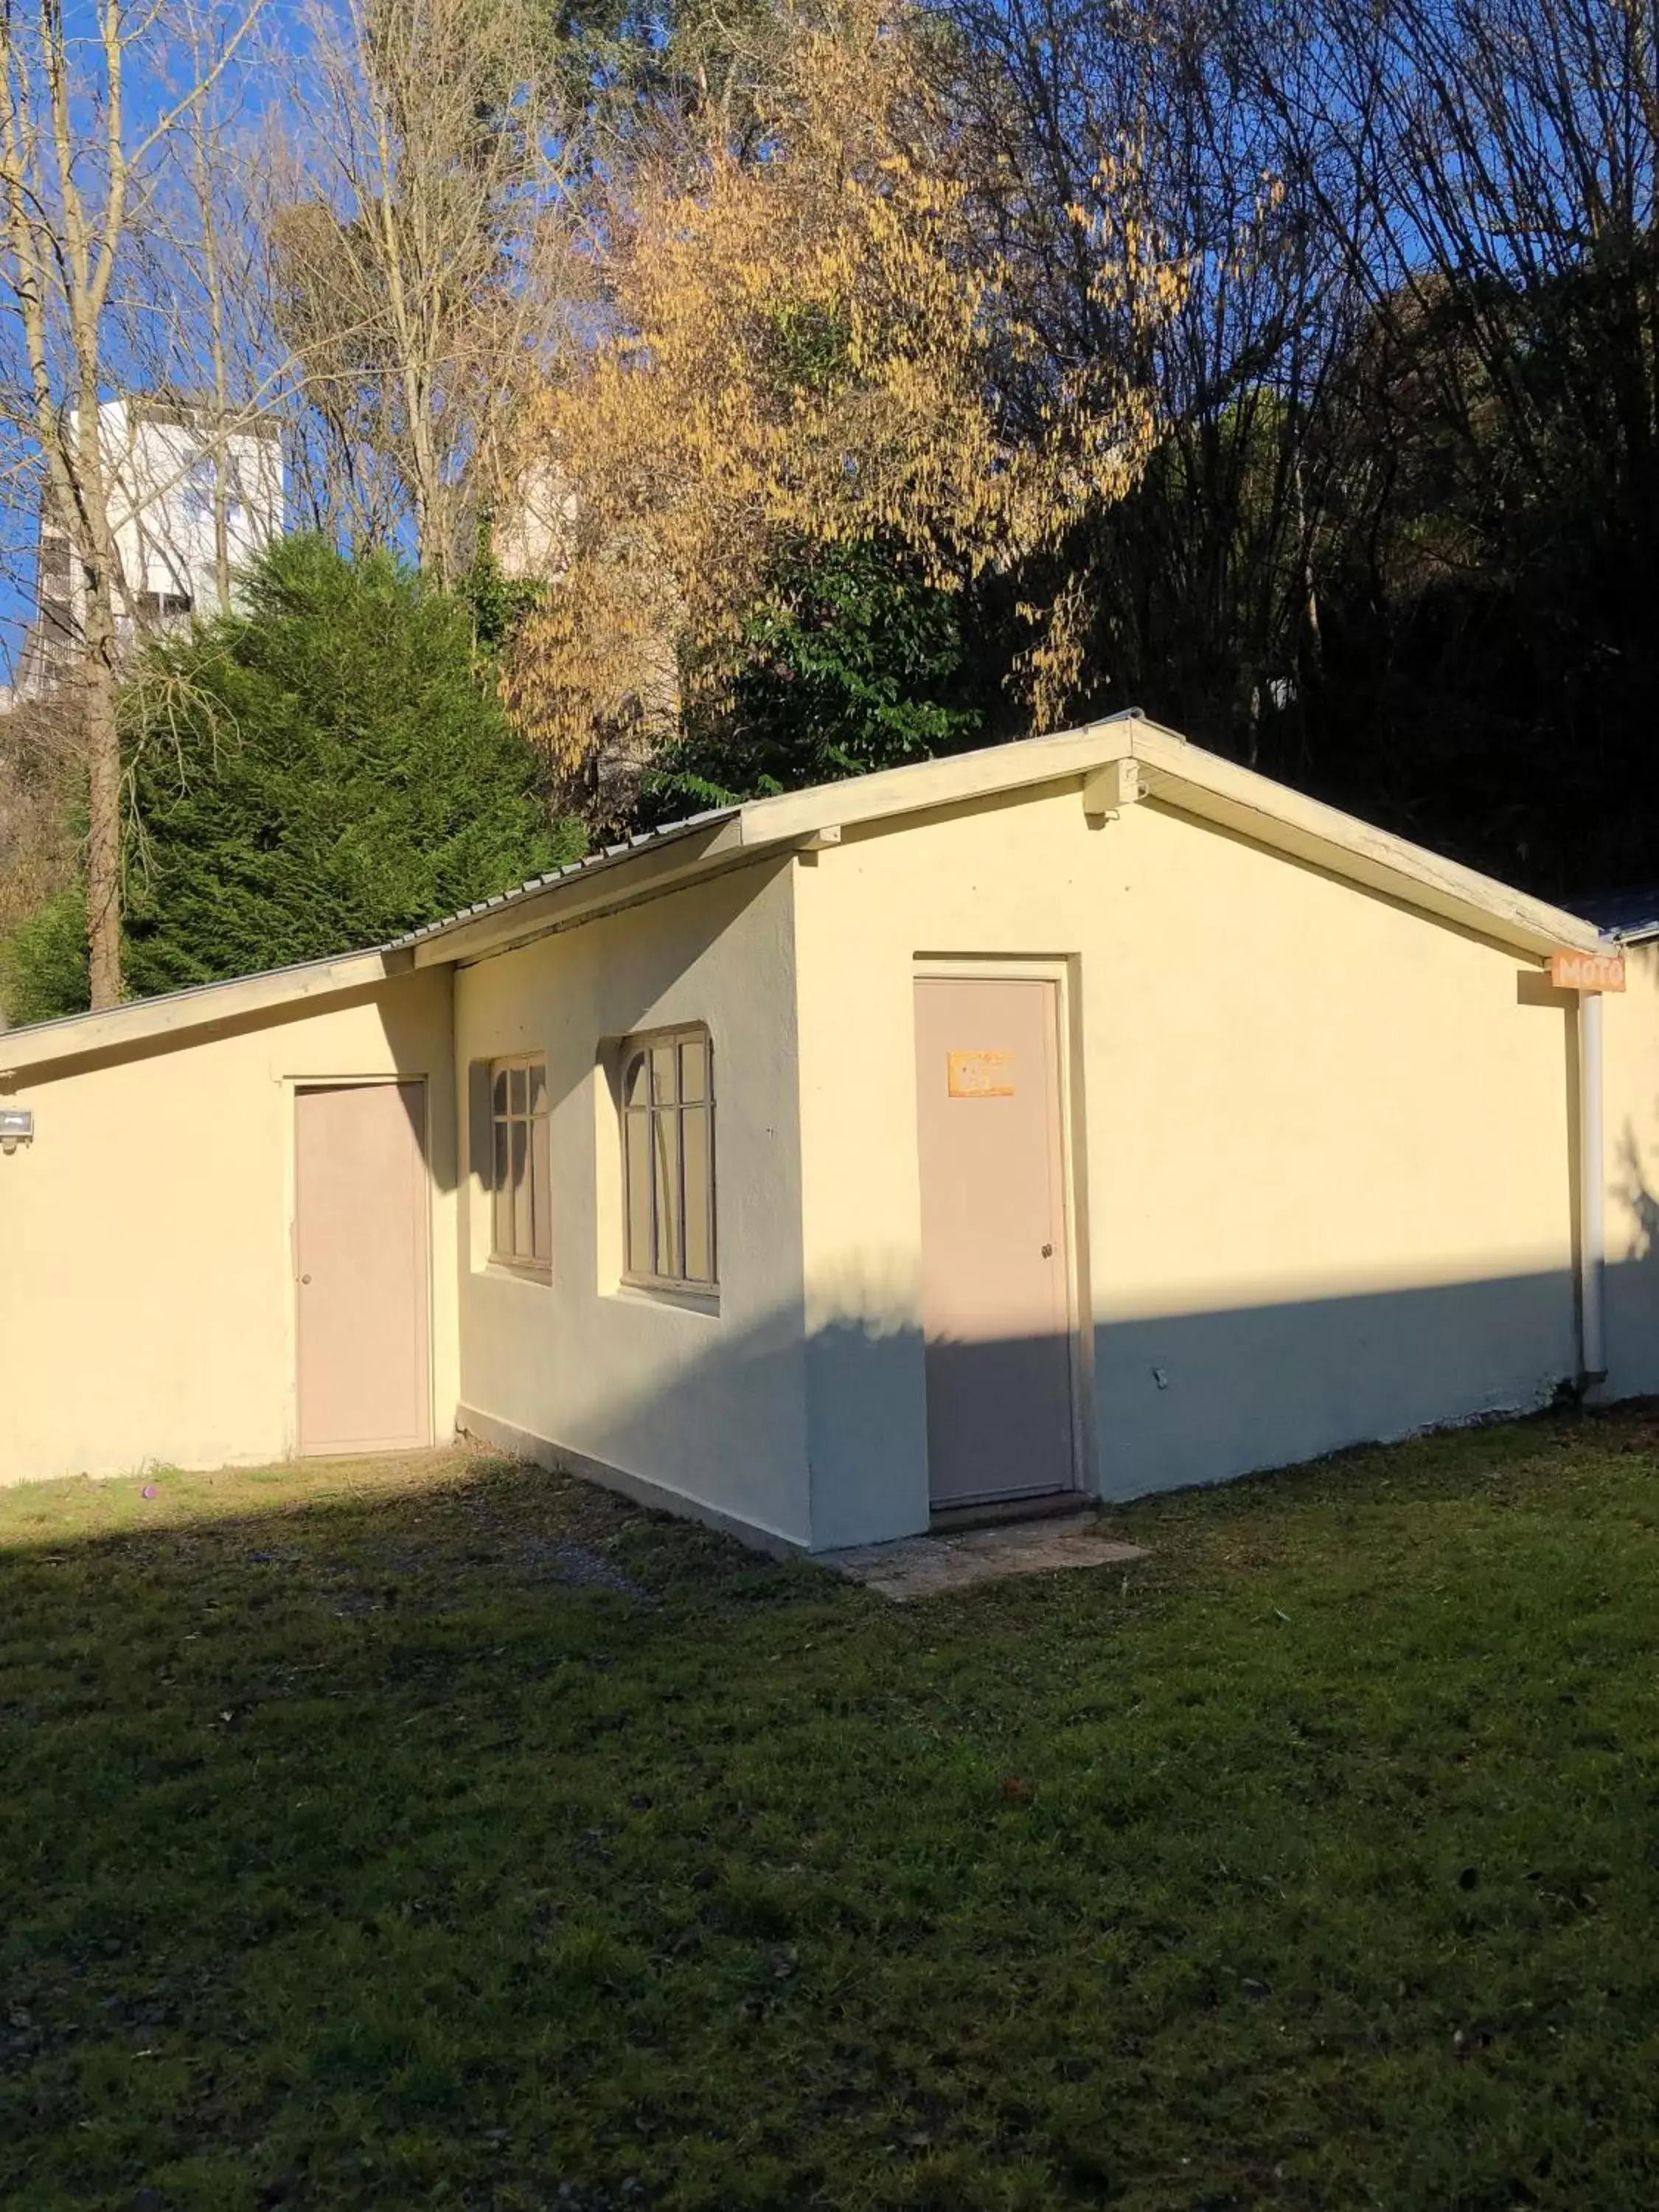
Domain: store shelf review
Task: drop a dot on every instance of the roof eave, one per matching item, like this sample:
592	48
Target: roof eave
1208	788
1216	790
203	1005
621	877
1178	775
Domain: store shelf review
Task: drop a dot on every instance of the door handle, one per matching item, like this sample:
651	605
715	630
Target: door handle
305	1279
1047	1253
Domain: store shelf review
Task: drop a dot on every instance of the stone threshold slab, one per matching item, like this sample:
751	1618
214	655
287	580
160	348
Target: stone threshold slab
927	1566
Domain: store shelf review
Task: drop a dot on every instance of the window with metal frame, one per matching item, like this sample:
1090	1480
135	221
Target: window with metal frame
522	1207
668	1160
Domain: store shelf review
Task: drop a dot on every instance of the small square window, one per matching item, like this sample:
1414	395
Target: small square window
521	1204
668	1160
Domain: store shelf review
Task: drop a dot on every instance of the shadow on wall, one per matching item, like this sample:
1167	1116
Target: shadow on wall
1631	1189
1164	1400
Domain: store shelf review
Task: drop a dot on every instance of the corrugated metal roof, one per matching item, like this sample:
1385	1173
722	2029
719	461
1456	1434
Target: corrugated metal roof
1627	914
154	1009
329	964
1197	783
588	864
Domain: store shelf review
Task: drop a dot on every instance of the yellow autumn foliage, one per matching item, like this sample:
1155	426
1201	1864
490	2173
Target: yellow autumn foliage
808	347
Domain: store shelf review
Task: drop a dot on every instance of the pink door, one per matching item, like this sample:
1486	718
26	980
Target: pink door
996	1306
359	1250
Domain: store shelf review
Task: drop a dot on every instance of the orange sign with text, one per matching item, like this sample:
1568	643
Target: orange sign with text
979	1074
1588	971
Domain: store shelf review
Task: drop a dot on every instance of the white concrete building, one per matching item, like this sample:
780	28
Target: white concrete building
170	460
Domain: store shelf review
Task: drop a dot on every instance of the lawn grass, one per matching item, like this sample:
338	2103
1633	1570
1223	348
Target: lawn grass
353	1854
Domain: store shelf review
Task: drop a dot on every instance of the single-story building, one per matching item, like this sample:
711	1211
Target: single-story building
1088	1113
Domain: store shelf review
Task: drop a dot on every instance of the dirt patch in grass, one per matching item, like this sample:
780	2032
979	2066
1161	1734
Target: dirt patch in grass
441	1832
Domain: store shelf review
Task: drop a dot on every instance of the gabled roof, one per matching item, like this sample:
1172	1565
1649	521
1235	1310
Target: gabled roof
1173	773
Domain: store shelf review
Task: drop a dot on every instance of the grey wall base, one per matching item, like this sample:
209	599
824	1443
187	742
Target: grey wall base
485	1428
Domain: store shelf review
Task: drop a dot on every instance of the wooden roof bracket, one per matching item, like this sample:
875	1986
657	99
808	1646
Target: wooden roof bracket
1109	789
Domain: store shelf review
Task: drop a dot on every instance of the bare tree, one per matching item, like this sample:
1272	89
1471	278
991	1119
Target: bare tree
215	264
82	147
422	256
1203	588
1489	170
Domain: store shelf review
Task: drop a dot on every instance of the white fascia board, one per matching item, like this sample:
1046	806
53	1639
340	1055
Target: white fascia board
1190	781
179	1012
1205	784
1183	777
924	786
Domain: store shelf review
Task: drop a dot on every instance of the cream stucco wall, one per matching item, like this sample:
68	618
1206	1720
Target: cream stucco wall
1631	1142
147	1297
703	1402
1322	1152
1321	1146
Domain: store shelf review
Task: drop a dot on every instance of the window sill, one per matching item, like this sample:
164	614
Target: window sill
509	1271
679	1295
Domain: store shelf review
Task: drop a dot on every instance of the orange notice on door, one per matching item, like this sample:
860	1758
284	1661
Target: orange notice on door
1588	971
979	1074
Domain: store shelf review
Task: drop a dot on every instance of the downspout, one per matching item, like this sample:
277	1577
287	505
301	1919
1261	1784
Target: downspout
1592	1223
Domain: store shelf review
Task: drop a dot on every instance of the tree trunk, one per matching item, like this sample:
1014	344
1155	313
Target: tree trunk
103	744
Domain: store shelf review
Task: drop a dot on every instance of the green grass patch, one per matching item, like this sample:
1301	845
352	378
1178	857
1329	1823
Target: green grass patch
447	1833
